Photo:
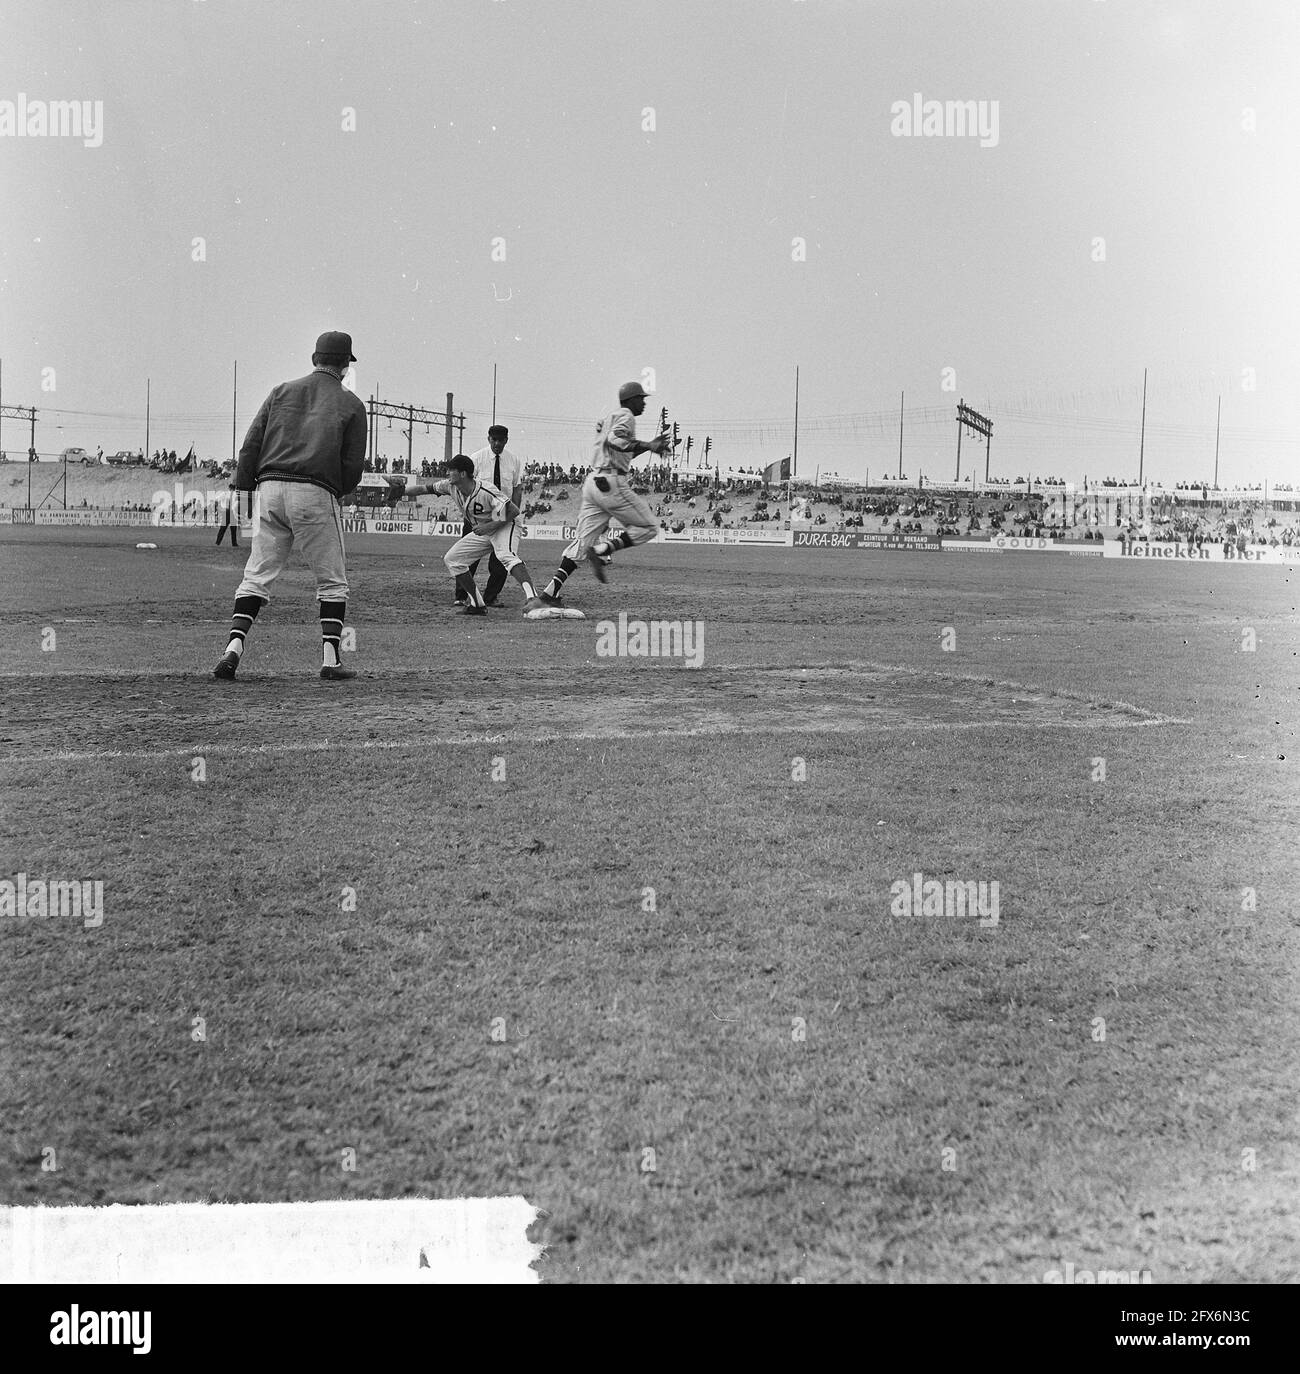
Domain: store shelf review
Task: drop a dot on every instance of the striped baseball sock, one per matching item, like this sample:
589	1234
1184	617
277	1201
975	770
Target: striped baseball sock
331	631
561	575
246	609
621	540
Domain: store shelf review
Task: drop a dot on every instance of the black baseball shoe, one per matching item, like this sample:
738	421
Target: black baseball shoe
474	610
597	567
225	669
335	672
547	600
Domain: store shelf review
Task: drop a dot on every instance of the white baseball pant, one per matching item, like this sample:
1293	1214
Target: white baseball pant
301	514
469	548
608	496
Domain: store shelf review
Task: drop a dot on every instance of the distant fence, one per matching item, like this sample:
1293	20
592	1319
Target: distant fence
1171	551
1016	543
116	518
201	516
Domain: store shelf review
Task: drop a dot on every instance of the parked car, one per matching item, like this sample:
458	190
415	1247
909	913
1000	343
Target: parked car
76	455
124	458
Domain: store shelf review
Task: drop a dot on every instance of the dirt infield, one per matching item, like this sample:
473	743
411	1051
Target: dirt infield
256	712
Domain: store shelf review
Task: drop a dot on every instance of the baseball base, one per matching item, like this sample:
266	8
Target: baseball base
555	613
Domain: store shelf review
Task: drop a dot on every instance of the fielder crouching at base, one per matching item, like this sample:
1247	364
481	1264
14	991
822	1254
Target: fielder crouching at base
490	516
303	452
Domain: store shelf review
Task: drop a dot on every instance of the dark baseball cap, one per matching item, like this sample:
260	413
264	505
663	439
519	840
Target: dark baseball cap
337	343
630	390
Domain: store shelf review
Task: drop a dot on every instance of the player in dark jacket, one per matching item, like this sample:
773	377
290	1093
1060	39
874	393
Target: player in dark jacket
304	451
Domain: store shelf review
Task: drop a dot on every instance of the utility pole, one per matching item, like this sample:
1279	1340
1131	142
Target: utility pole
958	474
31	458
1142	442
794	456
980	424
408	416
1218	417
494	393
148	389
234	414
901	397
29	413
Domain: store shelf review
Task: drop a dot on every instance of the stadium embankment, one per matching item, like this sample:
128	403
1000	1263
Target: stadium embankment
814	541
134	497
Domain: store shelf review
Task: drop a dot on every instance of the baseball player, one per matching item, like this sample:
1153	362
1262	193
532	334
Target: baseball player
607	493
303	451
508	477
230	520
490	516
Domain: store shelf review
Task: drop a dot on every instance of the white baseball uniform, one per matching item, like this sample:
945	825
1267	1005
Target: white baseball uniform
607	493
485	505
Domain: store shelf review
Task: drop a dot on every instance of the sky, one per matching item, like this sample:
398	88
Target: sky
701	194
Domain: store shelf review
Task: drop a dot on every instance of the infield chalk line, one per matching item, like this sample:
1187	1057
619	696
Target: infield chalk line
552	736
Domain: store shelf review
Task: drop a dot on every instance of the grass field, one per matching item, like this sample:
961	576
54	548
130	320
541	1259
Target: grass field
759	1071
